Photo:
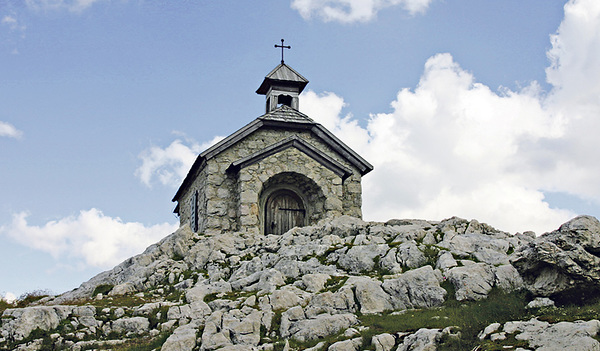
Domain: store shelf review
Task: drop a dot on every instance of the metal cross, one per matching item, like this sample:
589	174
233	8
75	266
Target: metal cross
282	47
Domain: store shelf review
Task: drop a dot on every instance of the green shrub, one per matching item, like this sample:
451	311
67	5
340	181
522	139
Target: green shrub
103	289
31	297
4	305
177	257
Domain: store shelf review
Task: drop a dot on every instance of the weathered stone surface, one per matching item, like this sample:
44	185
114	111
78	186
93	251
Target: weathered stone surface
492	328
133	325
314	282
539	302
564	263
417	288
473	281
575	336
508	278
247	291
370	296
421	340
18	323
360	259
182	339
322	325
213	336
342	301
383	342
346	345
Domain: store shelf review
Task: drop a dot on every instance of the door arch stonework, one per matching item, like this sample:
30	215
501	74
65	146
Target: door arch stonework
295	192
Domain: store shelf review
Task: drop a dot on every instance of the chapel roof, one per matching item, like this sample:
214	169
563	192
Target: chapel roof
282	117
283	74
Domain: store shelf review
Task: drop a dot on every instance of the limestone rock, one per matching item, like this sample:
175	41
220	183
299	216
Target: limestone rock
383	342
182	339
361	258
346	345
18	323
575	336
539	302
565	263
472	282
417	288
321	326
370	296
246	291
422	340
133	326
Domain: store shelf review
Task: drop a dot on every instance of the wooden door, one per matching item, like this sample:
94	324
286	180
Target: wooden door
284	210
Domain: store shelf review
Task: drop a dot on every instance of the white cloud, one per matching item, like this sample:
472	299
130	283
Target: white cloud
453	146
8	297
9	21
70	5
8	130
348	11
170	165
90	238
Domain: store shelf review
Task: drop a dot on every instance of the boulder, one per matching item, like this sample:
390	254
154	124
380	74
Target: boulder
383	342
473	281
370	296
18	323
321	326
182	339
563	336
563	264
417	288
131	326
346	345
422	340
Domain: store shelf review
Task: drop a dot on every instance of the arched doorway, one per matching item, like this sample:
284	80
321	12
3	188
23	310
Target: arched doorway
284	210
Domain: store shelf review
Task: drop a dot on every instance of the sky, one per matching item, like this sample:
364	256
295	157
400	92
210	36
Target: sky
481	109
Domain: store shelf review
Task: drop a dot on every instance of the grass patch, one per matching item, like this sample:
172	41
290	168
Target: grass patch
334	283
142	344
470	317
232	295
569	312
431	254
115	301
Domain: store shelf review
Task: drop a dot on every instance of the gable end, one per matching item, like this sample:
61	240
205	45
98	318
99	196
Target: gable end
298	143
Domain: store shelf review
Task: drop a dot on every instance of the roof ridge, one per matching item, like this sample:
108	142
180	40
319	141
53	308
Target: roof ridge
287	114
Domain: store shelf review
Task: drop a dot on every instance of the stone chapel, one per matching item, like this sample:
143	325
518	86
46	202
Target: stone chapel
280	171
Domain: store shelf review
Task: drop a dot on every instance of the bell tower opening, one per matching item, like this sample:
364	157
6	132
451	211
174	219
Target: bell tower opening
284	100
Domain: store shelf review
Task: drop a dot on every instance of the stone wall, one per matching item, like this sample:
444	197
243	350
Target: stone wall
232	201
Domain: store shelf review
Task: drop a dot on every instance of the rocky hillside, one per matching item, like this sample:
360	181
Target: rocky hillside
343	284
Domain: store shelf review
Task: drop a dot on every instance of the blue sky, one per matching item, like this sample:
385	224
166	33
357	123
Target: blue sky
479	109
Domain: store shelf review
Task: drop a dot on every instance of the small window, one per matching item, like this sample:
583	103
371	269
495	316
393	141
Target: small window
194	212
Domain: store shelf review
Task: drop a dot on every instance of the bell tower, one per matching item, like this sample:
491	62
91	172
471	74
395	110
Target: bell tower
282	85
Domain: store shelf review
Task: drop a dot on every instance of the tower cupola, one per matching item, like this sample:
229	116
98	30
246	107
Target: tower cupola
282	85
